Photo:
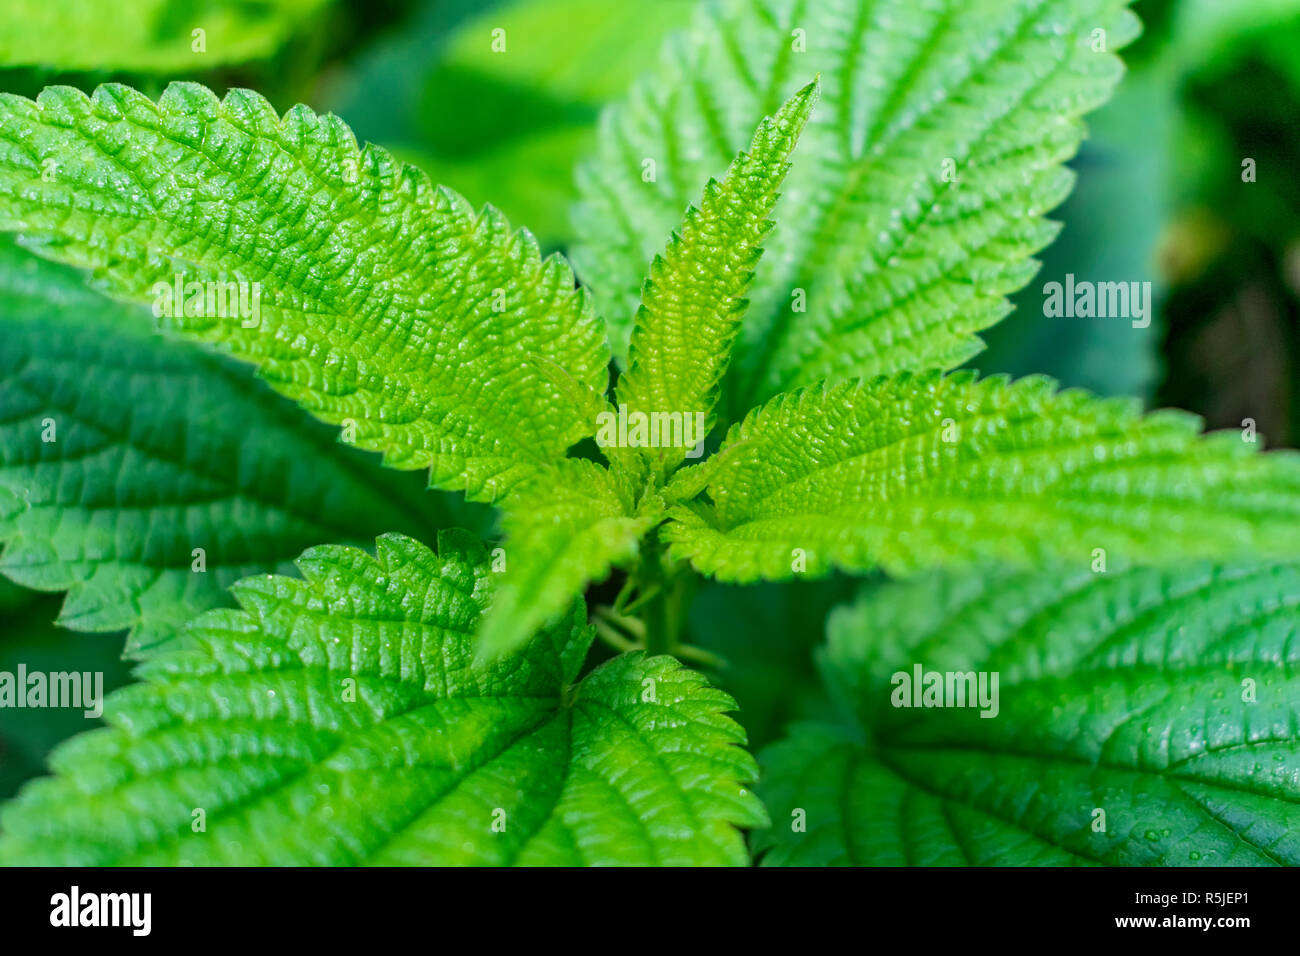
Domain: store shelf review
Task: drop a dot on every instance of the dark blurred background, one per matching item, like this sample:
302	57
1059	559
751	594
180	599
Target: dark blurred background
1160	198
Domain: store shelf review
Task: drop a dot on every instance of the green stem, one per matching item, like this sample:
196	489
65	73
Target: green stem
610	635
656	611
632	626
689	652
658	638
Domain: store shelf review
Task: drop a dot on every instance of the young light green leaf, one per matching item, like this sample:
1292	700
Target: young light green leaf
911	472
144	477
147	35
564	530
935	152
343	719
1143	718
693	301
364	293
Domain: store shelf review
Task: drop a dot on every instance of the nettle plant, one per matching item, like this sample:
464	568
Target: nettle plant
1115	586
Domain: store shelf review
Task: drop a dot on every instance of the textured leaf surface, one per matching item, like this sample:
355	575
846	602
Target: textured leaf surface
635	765
917	200
693	301
1117	692
159	448
147	35
384	301
915	471
563	531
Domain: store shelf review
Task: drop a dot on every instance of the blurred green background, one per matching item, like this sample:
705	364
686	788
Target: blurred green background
1159	198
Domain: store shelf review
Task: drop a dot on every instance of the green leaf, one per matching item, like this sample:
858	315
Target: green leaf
563	531
384	301
158	449
935	152
693	301
1214	35
148	35
577	51
342	719
1169	701
910	472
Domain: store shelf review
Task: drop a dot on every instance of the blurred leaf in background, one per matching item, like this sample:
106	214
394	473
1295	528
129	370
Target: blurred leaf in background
1232	250
281	48
31	638
499	103
147	35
